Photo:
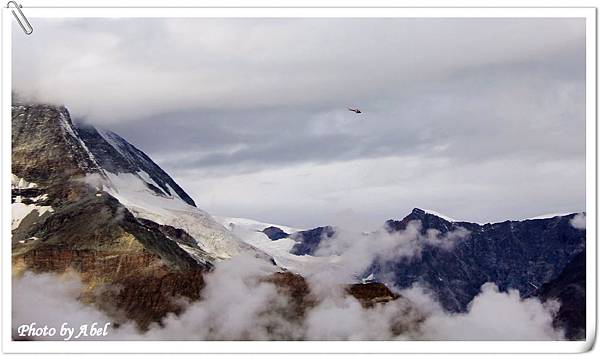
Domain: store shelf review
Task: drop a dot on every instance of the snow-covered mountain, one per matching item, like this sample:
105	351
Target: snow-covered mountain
55	163
109	163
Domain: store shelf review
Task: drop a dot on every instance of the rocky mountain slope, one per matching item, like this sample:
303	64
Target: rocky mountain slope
543	257
520	255
79	203
86	201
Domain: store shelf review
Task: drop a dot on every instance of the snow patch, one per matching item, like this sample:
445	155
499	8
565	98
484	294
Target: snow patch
368	278
20	211
20	183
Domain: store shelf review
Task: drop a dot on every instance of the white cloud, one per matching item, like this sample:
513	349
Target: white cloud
235	307
493	315
50	300
578	221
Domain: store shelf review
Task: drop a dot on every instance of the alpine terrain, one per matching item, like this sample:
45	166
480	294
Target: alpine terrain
85	200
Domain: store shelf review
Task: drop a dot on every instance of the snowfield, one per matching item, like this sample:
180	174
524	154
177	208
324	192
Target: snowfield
20	183
131	191
249	231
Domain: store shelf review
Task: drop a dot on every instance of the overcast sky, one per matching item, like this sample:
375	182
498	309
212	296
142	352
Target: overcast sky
480	119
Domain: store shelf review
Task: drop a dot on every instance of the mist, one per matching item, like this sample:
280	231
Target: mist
237	302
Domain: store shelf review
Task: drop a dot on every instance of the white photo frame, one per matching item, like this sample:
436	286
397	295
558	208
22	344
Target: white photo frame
10	346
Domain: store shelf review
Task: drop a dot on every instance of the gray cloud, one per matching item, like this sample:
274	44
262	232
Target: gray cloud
468	105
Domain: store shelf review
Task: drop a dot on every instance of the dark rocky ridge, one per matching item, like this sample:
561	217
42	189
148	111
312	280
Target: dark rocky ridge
115	155
521	255
512	254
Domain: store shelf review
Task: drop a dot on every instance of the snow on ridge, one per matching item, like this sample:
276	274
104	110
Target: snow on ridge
249	232
68	129
20	210
546	216
539	217
433	212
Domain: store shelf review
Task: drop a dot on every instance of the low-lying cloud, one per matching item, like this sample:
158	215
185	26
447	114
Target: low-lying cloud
355	249
235	306
493	315
51	300
578	221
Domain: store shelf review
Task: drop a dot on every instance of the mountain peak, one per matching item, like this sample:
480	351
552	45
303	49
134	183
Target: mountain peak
46	148
72	162
417	211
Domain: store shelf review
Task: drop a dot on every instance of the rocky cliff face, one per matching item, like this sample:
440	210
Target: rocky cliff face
115	155
569	289
61	223
521	255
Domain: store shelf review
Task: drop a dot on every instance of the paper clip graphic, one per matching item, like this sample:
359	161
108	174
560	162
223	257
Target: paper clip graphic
20	16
